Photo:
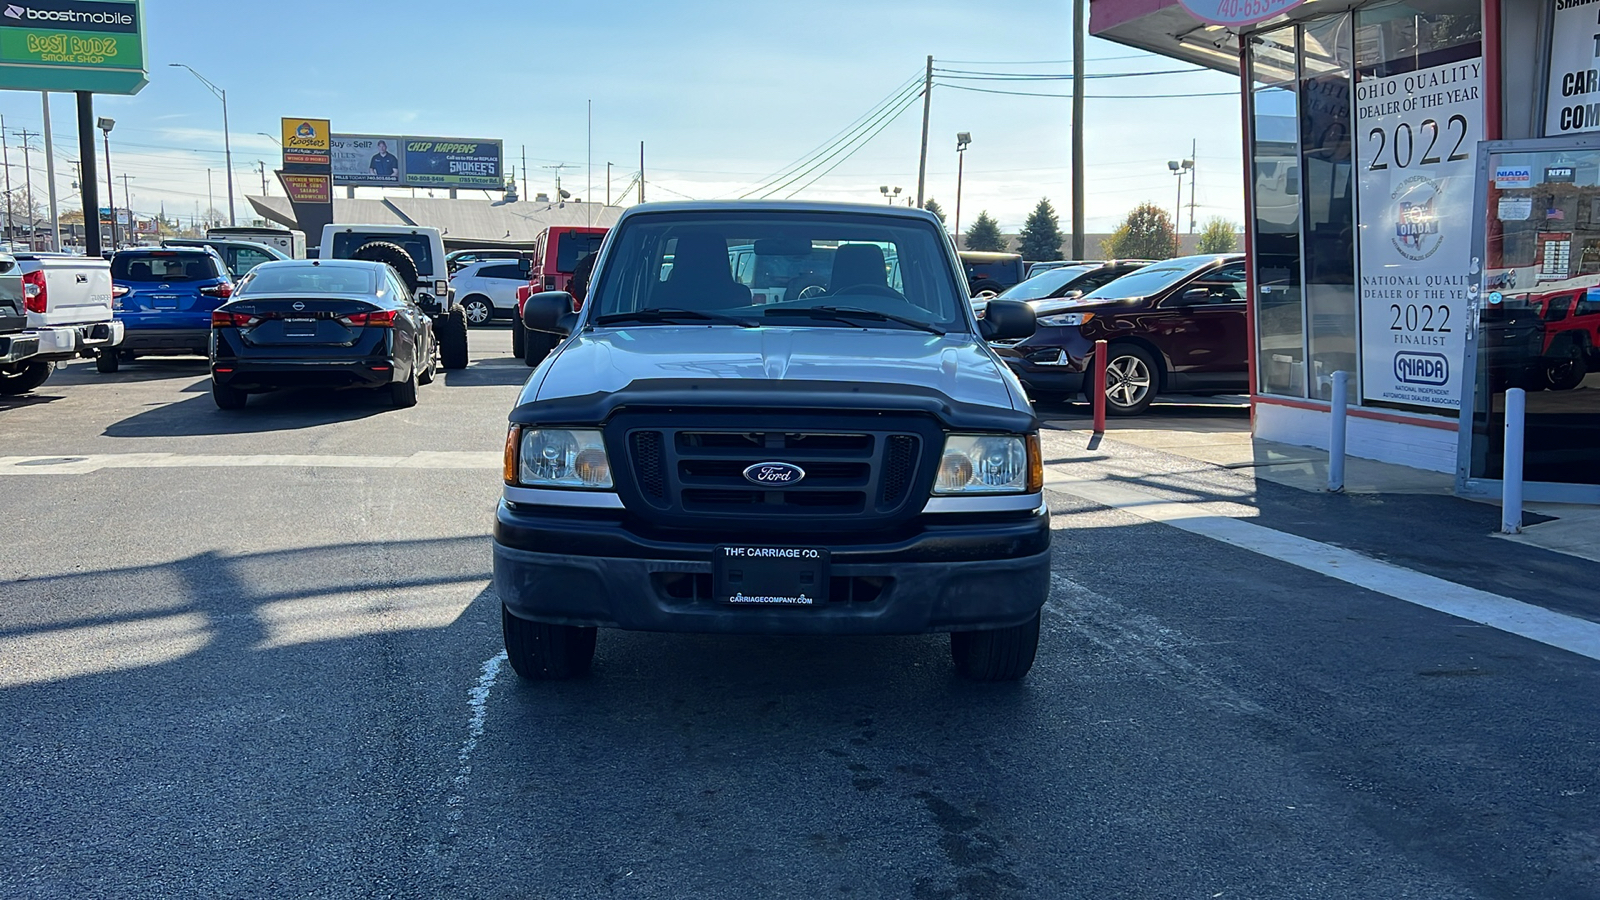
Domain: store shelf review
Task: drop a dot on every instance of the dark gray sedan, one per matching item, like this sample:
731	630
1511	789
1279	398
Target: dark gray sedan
320	323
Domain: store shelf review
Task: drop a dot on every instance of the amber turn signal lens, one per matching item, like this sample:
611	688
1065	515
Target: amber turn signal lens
1035	464
513	443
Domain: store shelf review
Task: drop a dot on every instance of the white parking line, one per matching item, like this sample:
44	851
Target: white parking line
94	462
1209	520
478	702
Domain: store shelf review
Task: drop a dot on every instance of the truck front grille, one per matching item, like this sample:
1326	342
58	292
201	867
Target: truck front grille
855	479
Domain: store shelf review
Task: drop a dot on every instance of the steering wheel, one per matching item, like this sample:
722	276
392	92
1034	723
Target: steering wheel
811	290
874	289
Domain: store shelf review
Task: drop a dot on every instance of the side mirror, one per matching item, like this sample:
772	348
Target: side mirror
524	267
1194	297
1007	320
549	312
1072	295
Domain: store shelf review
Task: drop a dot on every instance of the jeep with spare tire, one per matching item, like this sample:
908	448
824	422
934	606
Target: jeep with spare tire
416	253
852	460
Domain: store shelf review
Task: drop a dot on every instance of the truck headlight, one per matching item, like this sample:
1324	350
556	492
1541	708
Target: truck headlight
990	464
563	457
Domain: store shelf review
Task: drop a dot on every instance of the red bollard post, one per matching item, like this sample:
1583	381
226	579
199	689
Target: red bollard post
1098	390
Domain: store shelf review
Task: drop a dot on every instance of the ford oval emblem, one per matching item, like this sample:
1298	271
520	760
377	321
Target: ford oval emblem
299	306
774	474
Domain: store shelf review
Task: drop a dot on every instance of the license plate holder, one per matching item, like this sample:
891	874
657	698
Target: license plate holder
745	575
164	301
300	327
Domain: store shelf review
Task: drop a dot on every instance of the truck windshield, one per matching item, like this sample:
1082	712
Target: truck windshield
795	270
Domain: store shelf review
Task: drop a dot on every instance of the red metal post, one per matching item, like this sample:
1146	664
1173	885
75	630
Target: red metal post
1098	389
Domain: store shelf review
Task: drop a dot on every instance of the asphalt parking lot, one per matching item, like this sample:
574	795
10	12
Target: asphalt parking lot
256	654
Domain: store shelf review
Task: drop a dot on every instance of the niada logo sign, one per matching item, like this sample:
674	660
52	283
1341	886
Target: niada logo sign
774	474
1421	368
72	15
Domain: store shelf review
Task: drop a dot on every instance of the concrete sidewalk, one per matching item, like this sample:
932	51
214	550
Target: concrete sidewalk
1218	433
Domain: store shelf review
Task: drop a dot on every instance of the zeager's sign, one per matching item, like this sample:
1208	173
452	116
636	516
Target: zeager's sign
1416	135
1573	96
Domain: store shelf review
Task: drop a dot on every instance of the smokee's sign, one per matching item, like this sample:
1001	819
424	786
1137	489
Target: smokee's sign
1237	12
72	45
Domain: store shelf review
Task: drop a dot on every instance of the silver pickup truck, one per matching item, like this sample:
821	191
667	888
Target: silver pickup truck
69	315
852	461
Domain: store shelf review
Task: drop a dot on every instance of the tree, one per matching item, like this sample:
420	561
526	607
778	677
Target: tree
985	234
933	206
1145	234
1041	234
1219	236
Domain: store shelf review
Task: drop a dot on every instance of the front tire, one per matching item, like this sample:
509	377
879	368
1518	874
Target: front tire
107	362
452	335
1001	654
25	379
228	397
478	311
541	652
1131	380
1568	372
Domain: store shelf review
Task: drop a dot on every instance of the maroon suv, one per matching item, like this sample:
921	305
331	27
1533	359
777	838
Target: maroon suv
1175	326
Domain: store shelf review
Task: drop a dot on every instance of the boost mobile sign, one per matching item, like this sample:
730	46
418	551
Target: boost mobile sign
72	45
1416	141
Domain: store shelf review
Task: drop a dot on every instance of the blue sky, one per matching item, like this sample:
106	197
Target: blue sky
723	93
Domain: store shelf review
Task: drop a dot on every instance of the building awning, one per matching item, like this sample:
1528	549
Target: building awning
1169	28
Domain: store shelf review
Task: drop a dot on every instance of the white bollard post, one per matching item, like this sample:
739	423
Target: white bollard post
1511	476
1336	440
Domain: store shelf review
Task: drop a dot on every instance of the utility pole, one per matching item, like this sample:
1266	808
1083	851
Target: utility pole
588	190
525	193
1193	164
558	167
608	183
927	108
1077	127
641	171
262	165
50	176
27	174
127	201
5	153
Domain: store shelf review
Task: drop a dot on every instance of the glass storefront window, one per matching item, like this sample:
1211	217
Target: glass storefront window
1328	206
1539	323
1275	168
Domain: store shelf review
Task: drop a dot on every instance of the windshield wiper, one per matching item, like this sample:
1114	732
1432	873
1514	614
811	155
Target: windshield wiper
672	314
849	315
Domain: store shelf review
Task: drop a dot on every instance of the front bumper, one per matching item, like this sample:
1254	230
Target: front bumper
168	340
595	569
15	348
1053	360
269	375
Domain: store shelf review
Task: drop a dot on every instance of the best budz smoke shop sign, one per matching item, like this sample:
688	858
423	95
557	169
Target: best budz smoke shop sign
72	45
1416	136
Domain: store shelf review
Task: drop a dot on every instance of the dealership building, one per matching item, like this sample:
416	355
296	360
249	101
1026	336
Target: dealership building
1423	192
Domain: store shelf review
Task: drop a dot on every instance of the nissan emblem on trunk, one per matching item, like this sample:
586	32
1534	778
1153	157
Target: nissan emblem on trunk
774	474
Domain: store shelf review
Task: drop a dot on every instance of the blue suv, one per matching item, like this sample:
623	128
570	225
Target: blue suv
164	298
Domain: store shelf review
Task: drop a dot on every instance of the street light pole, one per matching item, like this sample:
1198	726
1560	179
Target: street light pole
227	144
106	124
962	140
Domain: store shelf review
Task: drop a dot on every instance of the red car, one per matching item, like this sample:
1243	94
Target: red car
556	255
1571	336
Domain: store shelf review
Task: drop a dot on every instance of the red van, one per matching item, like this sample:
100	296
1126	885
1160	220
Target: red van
556	255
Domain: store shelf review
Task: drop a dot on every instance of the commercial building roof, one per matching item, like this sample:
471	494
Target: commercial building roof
464	223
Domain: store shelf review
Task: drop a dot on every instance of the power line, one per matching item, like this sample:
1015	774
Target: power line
833	142
962	87
859	140
971	75
1041	62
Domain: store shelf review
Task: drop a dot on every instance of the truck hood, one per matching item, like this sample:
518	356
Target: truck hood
605	361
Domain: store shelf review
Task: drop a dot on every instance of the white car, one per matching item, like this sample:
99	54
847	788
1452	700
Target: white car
488	289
